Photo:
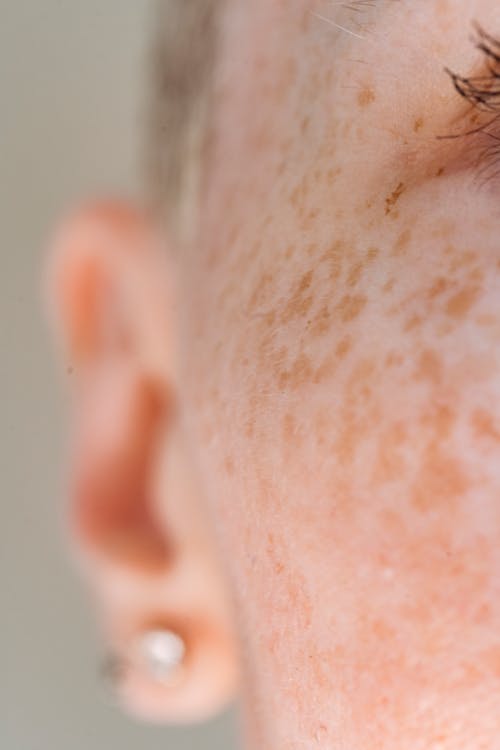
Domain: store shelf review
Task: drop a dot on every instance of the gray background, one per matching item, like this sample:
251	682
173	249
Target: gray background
70	122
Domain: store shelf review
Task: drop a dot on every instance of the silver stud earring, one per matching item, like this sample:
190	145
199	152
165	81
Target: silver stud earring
162	653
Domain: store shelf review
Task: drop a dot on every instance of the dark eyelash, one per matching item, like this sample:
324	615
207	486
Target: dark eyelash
483	93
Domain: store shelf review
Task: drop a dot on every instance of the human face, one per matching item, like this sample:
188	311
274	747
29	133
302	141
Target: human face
341	374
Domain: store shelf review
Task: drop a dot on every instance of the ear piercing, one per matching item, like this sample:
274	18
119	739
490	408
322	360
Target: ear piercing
158	653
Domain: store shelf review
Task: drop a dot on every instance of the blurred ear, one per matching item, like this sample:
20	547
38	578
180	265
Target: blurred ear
136	517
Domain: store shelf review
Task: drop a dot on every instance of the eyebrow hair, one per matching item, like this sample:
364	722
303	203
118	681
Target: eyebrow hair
183	64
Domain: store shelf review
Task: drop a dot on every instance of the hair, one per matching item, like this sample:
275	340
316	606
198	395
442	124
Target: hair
183	63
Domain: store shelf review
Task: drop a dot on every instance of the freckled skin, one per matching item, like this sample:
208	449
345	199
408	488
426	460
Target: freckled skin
366	96
393	198
342	360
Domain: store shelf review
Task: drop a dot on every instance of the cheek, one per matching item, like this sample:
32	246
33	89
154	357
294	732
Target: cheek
364	446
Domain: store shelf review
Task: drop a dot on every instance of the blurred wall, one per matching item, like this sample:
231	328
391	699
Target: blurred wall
70	122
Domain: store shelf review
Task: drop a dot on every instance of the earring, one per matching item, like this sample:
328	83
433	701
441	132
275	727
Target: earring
159	653
162	653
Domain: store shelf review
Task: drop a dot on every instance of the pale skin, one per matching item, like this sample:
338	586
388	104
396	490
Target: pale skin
287	435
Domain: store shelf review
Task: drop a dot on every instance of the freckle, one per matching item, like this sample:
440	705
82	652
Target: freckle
289	252
276	358
394	359
402	242
332	174
299	193
283	379
229	465
261	290
476	275
289	426
325	370
440	172
355	273
413	322
461	258
350	307
389	286
281	168
383	631
429	366
304	125
440	419
299	304
440	483
333	257
300	373
460	304
366	96
305	282
485	321
394	197
444	228
308	219
439	286
362	372
483	615
269	319
483	425
372	254
343	347
418	124
444	329
322	322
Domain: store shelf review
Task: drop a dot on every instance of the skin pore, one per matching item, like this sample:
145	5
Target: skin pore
336	365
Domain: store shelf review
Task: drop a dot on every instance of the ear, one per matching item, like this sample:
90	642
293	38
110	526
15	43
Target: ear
136	519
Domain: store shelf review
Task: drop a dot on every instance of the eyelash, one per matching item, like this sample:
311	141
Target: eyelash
483	93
